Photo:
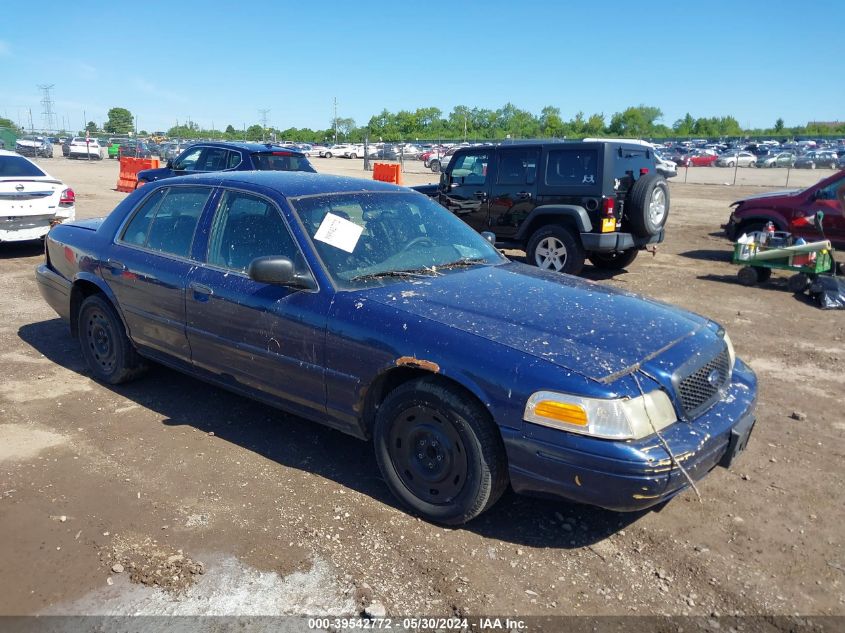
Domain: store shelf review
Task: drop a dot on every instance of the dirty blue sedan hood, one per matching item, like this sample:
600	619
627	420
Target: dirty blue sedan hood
582	326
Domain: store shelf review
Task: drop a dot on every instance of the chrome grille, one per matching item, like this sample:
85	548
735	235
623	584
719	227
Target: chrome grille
700	389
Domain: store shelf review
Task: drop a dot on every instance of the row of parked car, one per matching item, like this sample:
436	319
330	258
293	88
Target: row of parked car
764	156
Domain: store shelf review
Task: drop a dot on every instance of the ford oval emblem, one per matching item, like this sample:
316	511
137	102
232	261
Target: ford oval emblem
714	378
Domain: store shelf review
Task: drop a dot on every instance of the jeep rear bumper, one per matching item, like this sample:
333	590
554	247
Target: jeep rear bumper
611	242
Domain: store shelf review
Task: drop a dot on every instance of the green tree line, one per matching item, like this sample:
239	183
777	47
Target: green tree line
509	121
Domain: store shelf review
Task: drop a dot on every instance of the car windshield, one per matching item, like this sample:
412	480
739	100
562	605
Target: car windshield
281	161
18	167
368	238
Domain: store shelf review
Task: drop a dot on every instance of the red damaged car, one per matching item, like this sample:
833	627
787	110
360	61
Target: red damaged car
793	211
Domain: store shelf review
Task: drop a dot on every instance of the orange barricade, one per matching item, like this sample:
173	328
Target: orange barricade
387	172
127	180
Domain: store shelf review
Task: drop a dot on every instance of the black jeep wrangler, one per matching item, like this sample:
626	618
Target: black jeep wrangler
561	202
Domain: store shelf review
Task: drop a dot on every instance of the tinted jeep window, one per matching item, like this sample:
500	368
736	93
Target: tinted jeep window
517	167
572	168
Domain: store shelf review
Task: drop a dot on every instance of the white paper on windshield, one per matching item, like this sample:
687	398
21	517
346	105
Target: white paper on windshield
339	232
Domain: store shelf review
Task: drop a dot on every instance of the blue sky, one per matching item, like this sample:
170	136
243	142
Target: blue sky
167	61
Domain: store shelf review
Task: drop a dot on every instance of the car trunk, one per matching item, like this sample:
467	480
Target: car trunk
28	203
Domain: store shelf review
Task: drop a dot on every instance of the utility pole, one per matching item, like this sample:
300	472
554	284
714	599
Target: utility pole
263	114
47	102
335	120
31	128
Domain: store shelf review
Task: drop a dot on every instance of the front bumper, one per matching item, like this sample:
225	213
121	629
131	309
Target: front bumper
637	474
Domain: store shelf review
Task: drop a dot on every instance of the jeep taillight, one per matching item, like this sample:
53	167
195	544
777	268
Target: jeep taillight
68	197
607	207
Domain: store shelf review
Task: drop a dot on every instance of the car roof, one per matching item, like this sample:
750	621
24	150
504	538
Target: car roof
290	184
250	147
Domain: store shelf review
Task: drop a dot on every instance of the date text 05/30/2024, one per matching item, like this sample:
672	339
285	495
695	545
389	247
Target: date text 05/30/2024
418	624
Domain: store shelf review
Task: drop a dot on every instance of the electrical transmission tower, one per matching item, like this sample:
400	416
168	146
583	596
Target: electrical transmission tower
47	102
263	114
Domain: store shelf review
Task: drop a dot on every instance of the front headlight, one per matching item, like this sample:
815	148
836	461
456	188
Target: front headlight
615	419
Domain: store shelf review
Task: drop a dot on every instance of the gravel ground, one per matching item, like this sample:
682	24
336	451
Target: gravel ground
170	496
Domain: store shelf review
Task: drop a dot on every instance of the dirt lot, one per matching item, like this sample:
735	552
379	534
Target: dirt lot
170	496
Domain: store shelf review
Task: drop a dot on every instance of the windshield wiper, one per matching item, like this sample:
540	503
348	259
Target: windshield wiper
463	262
416	273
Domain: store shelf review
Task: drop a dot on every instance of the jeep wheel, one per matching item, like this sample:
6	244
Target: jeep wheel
555	247
648	207
616	260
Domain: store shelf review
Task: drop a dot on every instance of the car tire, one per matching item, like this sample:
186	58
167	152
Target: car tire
353	155
328	154
616	260
731	164
439	451
798	284
648	205
833	165
555	247
106	348
747	276
435	166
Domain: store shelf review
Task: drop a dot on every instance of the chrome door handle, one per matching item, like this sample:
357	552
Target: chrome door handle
115	266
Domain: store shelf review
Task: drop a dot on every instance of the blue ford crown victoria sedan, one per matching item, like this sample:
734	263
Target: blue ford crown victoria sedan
369	308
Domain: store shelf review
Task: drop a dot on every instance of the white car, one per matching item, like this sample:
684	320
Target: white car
343	150
82	148
665	167
31	200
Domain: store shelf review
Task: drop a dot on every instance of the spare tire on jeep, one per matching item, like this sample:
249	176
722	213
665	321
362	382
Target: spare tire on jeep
648	205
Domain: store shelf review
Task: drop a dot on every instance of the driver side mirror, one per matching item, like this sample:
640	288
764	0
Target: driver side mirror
279	271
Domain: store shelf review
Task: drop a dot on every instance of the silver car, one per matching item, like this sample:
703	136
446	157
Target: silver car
732	159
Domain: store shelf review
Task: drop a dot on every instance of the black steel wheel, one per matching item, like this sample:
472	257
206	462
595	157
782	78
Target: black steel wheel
107	350
440	453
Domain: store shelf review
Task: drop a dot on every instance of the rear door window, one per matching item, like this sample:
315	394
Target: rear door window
167	220
212	159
